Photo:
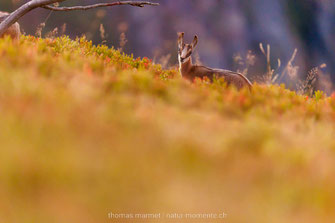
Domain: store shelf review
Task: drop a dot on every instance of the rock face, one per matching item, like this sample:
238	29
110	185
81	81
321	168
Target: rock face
14	30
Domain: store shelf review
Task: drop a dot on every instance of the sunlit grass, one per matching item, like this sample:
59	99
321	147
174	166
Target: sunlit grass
86	130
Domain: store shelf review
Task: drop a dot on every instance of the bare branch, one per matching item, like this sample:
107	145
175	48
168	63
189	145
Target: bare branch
99	5
24	9
33	4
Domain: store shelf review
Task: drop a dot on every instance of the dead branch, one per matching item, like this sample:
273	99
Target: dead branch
99	5
33	4
24	9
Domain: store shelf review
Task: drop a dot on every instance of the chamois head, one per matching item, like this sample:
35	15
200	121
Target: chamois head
185	50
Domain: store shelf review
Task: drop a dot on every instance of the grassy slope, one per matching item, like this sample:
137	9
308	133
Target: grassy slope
85	131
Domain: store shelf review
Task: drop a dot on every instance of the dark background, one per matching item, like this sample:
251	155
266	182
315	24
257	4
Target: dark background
225	28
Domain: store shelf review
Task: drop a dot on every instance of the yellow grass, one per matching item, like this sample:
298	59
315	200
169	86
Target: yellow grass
86	131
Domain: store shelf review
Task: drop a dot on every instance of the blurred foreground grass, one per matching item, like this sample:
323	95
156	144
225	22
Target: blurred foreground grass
85	131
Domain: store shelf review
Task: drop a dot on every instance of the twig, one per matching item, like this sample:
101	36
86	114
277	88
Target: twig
24	9
99	5
33	4
289	64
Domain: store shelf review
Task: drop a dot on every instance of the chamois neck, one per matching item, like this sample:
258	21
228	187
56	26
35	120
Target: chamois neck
186	66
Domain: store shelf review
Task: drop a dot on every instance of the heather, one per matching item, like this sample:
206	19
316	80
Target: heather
87	130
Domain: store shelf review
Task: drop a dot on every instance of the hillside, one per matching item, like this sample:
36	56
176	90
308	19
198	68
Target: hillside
86	131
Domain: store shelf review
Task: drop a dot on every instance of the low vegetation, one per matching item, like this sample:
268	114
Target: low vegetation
87	130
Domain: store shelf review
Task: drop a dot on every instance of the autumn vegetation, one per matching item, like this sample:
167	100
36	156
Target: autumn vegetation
86	130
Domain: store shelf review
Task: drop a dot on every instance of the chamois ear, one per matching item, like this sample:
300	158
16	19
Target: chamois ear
181	39
195	41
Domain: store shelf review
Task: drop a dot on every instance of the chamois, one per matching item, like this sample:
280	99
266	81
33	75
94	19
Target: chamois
190	71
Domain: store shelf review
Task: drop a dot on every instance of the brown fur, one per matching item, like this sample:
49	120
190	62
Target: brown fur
190	71
14	30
